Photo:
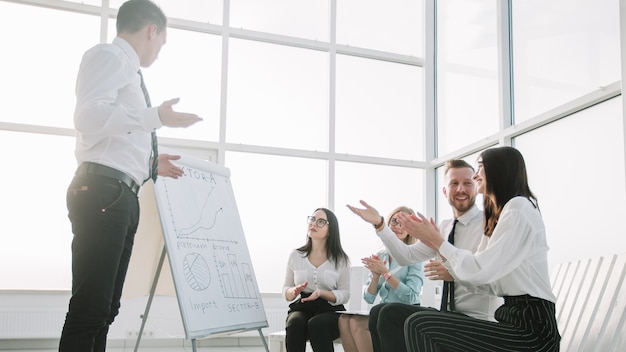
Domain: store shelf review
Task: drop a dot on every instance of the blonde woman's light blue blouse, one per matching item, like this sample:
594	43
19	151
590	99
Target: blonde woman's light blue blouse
411	279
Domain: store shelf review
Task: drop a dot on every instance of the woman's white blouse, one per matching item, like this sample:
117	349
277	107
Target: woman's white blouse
325	277
513	261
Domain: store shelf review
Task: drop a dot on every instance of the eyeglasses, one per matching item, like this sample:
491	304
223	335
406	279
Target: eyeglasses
394	222
318	222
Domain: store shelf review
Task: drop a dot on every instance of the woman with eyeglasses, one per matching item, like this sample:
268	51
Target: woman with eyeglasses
387	279
317	280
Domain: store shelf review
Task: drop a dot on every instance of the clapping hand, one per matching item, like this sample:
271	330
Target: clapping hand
314	295
374	264
421	228
299	288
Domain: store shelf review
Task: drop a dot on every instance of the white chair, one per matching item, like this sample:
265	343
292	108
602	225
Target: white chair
591	304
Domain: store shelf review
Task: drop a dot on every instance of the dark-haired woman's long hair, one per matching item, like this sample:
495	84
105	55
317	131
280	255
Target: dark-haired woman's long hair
505	178
333	242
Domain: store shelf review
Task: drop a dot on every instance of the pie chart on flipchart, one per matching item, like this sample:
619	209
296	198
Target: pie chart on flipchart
197	272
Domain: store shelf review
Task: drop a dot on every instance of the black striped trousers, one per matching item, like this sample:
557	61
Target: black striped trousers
525	323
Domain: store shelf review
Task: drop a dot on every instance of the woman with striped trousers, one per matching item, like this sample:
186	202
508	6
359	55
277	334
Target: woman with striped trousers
511	262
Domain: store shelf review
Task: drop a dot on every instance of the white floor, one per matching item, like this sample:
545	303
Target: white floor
168	349
48	345
173	349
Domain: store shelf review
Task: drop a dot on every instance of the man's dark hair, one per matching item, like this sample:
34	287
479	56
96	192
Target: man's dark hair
133	15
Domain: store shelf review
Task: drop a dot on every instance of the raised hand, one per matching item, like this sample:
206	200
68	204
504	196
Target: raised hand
368	213
171	118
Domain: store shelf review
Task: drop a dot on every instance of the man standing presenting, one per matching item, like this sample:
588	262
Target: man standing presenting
386	322
116	153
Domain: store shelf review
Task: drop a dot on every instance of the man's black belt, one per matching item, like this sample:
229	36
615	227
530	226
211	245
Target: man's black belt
89	168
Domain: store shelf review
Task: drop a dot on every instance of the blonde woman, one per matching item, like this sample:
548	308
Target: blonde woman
387	279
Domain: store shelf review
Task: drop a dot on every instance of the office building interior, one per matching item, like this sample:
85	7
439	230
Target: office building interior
317	104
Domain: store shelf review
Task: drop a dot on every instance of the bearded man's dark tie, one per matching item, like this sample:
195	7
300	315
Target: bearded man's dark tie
447	297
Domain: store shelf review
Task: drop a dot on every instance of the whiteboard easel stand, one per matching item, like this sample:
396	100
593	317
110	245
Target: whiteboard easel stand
144	316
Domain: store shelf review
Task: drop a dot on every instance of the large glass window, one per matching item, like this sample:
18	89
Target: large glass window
395	26
277	96
579	181
189	68
383	187
379	108
274	196
285	102
89	2
295	18
205	11
39	62
562	51
467	73
36	234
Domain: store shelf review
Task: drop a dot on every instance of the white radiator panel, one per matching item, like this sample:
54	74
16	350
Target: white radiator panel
24	324
276	319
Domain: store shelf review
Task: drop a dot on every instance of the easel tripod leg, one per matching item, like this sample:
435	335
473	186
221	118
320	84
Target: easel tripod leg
267	349
144	316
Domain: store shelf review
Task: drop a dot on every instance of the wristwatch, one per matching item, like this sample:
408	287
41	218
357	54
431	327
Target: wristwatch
387	276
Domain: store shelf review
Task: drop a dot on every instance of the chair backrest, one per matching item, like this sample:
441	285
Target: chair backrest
591	304
358	278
